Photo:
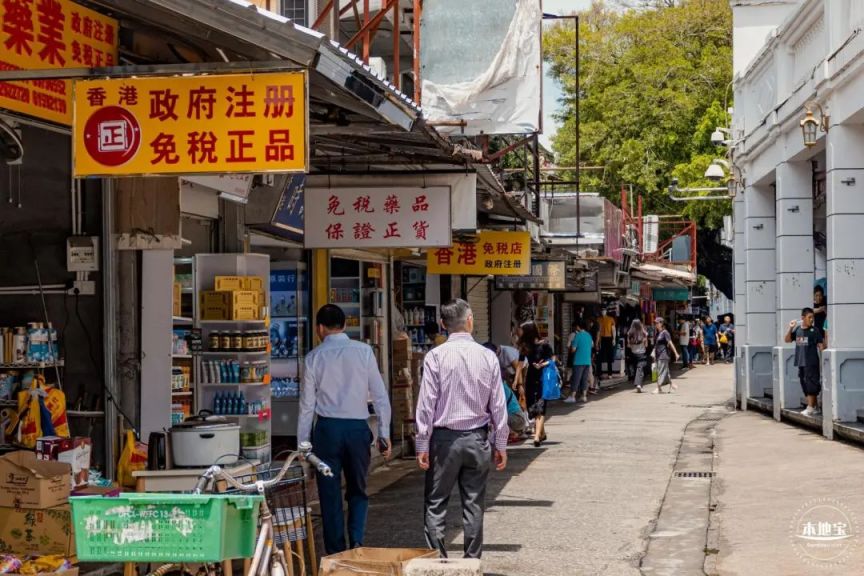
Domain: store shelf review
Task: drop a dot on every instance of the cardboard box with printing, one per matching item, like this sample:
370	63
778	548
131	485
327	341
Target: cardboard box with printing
37	532
26	482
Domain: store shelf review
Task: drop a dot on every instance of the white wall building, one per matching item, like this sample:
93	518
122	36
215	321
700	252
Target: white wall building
799	210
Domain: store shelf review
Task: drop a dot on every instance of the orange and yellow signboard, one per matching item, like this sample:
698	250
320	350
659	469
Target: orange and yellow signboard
39	34
495	253
191	125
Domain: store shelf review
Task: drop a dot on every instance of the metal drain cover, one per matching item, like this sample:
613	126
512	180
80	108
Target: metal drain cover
695	474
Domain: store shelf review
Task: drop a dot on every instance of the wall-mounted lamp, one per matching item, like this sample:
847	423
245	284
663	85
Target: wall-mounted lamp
810	126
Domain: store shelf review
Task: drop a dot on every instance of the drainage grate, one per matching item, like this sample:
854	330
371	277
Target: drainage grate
695	474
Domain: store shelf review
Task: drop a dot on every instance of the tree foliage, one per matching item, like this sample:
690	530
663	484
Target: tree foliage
653	81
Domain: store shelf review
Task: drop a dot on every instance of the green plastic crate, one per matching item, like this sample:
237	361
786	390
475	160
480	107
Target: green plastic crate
165	527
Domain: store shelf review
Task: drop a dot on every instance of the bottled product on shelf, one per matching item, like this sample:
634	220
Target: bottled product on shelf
285	387
237	341
233	372
235	404
32	344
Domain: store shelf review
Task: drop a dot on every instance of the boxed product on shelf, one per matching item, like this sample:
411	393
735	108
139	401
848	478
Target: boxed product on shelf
178	299
228	282
254	283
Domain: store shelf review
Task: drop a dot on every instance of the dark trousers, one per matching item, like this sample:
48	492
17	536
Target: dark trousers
346	445
607	352
463	458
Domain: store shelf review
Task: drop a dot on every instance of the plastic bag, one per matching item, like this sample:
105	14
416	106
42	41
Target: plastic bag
133	458
41	412
551	381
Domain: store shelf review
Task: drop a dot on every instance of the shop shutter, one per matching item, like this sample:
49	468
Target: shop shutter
478	299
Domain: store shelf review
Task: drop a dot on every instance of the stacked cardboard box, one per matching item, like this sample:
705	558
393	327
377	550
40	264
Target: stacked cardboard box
35	518
403	402
234	298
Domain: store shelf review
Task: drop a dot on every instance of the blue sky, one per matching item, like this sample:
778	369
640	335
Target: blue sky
551	90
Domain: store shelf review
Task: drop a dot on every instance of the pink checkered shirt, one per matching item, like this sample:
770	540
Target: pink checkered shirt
461	390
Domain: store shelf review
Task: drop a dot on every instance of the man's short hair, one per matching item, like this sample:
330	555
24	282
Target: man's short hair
660	321
491	346
806	310
819	289
331	317
454	315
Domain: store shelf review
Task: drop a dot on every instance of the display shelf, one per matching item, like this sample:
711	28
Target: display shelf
246	417
182	320
8	403
181	392
182	356
287	399
26	365
229	353
272	358
231	322
233	385
86	413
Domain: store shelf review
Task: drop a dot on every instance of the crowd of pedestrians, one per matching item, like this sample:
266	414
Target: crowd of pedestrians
474	399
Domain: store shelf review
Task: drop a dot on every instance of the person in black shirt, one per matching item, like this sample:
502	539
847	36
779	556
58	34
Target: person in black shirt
820	309
808	343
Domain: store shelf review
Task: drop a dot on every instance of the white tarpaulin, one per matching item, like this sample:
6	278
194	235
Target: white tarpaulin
505	97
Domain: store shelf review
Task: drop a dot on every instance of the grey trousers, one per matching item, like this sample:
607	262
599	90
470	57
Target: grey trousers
463	458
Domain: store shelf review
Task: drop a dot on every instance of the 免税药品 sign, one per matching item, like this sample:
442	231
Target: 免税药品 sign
401	217
191	125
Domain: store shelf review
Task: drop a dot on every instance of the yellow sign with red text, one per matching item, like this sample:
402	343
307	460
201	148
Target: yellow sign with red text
40	34
495	253
191	125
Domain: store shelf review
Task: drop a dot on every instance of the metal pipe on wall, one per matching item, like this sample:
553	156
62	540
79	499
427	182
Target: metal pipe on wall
109	314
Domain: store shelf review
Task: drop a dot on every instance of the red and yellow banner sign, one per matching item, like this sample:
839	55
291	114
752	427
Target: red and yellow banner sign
39	34
191	125
495	253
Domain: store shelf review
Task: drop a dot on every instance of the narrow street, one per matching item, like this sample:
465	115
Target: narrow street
584	503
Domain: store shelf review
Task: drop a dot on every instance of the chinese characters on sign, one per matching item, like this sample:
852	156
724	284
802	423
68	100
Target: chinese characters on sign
544	275
191	124
496	253
377	217
39	34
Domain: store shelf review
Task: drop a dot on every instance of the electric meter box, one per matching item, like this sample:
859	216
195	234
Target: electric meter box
82	254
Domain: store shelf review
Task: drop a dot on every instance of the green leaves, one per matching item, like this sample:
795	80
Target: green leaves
653	83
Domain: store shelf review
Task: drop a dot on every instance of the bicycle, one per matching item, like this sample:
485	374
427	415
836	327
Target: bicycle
268	559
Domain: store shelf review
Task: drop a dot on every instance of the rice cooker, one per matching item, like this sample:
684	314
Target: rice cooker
202	441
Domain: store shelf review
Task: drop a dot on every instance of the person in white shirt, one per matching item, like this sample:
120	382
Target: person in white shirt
684	341
340	376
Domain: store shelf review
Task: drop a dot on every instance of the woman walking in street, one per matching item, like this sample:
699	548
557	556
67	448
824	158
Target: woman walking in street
662	347
534	354
637	341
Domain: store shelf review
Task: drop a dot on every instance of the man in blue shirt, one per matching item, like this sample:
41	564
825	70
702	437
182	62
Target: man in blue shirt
580	352
340	376
709	334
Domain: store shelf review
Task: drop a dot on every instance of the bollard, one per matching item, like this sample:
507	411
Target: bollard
444	567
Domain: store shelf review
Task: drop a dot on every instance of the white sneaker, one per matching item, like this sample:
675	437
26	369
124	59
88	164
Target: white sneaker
570	400
808	411
639	389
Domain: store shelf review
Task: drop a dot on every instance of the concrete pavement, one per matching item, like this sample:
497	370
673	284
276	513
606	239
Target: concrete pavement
584	503
772	479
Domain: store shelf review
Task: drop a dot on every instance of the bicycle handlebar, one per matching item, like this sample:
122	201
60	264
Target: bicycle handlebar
304	451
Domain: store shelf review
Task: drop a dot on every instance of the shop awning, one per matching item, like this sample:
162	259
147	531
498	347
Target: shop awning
235	30
359	122
662	275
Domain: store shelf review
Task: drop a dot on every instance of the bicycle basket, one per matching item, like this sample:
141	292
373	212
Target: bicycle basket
287	501
165	527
